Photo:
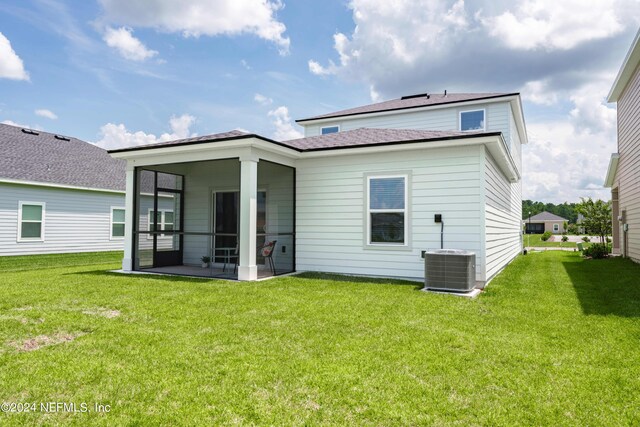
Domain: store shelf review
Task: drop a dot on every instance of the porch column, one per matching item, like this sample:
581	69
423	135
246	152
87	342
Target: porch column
247	268
129	203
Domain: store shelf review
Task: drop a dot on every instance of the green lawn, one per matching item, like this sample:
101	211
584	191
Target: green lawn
553	341
535	240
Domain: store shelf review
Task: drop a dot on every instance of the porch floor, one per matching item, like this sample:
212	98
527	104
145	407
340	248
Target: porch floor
190	270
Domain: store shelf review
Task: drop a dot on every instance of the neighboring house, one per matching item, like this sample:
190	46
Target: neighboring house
359	194
544	221
58	194
623	175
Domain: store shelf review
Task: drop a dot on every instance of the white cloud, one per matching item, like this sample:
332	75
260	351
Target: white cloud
194	18
11	66
284	125
12	123
262	100
319	70
539	92
553	24
48	114
127	45
245	64
117	136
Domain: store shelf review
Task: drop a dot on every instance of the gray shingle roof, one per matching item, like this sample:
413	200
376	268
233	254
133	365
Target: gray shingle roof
372	136
361	137
413	101
546	216
49	158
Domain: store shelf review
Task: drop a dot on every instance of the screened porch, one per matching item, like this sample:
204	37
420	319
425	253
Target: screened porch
189	219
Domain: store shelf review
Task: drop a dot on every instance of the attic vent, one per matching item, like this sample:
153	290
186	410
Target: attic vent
420	95
30	132
61	138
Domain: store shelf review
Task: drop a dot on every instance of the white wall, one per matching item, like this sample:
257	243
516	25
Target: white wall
503	207
75	220
331	211
446	118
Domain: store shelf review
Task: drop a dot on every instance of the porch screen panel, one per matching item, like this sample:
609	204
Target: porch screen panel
145	221
276	217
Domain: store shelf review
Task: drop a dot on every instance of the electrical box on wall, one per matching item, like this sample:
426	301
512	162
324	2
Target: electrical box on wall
437	218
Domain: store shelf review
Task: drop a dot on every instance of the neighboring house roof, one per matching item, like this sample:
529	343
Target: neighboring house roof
631	62
42	157
546	216
412	101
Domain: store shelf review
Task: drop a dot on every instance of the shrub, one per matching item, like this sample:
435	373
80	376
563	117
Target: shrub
573	229
586	239
608	239
597	251
565	238
545	236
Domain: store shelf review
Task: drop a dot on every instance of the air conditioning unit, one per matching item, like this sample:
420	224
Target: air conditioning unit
450	270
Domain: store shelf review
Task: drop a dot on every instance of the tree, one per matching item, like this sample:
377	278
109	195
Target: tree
597	216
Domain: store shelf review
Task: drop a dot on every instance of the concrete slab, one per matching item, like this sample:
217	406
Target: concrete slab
471	294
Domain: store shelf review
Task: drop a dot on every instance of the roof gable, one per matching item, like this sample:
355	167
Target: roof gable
546	216
43	157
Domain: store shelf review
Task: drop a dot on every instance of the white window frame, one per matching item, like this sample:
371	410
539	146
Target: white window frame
556	228
369	211
484	120
161	224
331	126
112	222
42	224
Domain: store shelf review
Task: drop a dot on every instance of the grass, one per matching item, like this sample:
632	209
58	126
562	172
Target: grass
553	341
535	240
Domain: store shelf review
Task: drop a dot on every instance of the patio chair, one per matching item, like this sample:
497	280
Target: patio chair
266	251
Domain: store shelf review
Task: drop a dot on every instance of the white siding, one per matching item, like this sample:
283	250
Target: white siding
331	211
628	174
75	220
503	206
446	118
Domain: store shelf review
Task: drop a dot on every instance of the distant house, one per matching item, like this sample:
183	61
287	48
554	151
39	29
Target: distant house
58	194
544	221
623	175
366	191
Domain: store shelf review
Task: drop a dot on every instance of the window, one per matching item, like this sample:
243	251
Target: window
472	120
165	222
117	223
330	129
387	210
30	222
556	228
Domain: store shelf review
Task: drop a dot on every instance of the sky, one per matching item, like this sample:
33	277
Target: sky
127	72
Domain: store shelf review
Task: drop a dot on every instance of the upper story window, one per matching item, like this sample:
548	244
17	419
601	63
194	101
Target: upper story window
31	222
472	120
330	129
387	222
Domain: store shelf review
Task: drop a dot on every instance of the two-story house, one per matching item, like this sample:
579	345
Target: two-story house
623	175
366	192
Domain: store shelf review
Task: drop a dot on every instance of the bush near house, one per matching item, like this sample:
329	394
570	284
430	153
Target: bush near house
545	236
597	251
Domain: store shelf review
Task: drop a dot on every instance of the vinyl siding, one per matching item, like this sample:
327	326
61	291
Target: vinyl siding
503	212
331	211
628	173
497	120
75	220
